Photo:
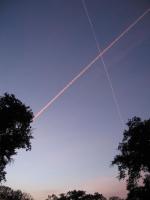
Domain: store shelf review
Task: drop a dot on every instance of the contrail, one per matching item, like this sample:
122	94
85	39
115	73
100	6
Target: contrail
103	63
90	64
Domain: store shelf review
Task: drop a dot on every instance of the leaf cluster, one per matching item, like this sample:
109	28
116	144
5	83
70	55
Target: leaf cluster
77	195
133	160
15	129
6	193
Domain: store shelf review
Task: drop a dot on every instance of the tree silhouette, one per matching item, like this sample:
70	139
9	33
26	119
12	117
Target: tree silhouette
140	192
76	195
115	198
133	161
15	129
6	193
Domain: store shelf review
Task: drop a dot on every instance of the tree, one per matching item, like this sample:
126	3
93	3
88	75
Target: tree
140	192
97	196
133	160
76	195
115	198
6	193
15	129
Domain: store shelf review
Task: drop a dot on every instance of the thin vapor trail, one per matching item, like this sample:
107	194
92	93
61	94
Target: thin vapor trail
104	64
90	64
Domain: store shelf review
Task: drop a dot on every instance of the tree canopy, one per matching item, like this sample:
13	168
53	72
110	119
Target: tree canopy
15	129
133	160
6	193
115	198
77	195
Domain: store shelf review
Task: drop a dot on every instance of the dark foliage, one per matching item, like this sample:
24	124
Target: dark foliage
15	129
76	195
133	161
140	192
115	198
7	193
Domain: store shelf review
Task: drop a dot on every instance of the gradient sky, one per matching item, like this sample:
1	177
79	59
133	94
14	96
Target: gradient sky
43	45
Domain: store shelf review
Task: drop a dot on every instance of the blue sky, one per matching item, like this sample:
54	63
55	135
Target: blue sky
43	45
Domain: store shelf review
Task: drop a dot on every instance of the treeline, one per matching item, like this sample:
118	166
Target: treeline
6	193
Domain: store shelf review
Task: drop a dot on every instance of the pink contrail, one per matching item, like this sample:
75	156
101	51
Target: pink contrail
90	64
104	64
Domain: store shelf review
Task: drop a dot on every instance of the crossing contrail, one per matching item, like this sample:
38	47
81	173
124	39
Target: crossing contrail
104	64
90	64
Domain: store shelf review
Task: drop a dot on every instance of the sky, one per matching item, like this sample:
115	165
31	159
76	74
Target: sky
44	45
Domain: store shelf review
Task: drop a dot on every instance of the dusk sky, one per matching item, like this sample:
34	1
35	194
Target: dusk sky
44	44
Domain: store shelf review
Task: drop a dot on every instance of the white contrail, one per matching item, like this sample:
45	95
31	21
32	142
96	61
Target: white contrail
90	64
103	63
